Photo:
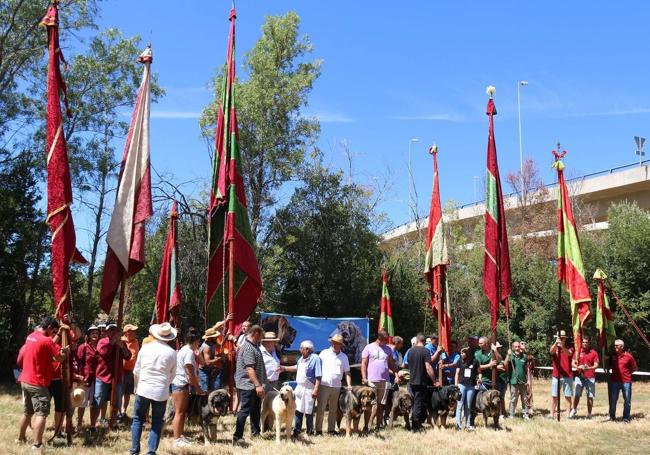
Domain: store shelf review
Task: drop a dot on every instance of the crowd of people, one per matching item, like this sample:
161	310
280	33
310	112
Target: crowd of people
161	368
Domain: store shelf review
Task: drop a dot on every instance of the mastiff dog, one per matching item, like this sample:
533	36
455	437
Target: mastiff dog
279	407
488	403
353	404
205	410
401	407
443	402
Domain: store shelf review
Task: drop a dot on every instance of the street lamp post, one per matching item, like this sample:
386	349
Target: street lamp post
521	152
410	169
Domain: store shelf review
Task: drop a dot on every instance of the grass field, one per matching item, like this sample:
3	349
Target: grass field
539	435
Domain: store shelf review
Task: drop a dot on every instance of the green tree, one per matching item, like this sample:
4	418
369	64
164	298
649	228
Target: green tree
22	54
321	257
273	133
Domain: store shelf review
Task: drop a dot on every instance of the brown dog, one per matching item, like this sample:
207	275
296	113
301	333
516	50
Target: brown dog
402	406
353	404
488	403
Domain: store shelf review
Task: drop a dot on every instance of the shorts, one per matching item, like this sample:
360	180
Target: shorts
589	384
56	392
88	399
128	384
180	388
565	383
36	400
103	392
380	391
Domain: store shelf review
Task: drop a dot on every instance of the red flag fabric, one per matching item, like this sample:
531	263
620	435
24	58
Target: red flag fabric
437	259
570	268
126	233
228	217
497	281
168	294
59	187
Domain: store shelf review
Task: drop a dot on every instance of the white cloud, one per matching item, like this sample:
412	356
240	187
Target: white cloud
332	117
611	112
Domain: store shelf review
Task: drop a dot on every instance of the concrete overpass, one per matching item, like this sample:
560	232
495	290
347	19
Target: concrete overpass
599	191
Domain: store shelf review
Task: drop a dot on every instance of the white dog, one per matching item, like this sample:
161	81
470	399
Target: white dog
282	405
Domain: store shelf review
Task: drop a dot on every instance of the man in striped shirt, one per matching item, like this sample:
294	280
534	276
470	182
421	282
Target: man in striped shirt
250	376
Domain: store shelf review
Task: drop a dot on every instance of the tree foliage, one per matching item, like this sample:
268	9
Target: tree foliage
274	135
321	257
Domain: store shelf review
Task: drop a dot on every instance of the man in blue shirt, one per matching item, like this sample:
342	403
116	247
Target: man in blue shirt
450	363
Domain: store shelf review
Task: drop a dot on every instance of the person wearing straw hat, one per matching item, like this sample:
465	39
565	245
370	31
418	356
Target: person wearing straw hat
154	372
271	360
334	365
131	342
212	361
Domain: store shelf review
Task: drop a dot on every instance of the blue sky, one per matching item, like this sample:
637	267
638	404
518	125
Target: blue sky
396	70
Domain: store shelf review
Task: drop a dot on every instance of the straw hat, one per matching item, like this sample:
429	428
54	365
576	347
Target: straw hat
211	333
130	327
338	338
163	332
91	328
270	336
77	397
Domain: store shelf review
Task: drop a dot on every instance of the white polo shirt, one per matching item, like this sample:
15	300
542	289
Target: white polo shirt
154	370
333	367
271	363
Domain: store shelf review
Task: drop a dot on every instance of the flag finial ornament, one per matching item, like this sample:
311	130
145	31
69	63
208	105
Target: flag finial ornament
491	90
433	149
600	275
147	55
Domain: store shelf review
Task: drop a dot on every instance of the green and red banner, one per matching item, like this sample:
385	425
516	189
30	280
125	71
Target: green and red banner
570	269
436	259
168	294
497	280
604	317
386	312
59	185
229	231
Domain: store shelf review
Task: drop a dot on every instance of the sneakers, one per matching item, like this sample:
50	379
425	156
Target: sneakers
572	413
589	416
526	417
38	448
182	442
237	441
469	428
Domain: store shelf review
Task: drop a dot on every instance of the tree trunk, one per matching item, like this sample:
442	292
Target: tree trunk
97	235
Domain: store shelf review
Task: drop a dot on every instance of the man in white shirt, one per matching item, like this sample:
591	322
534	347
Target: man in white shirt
154	372
334	365
271	360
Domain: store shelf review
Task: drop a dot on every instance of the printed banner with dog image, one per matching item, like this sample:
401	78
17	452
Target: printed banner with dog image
292	330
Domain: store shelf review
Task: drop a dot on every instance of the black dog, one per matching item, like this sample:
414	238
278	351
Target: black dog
205	410
443	401
280	325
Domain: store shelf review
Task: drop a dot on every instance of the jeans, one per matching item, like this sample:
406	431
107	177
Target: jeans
209	380
465	404
250	405
297	423
614	389
140	409
420	403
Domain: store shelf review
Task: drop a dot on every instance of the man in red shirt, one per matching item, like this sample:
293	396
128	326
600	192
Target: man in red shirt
561	360
36	360
585	366
104	379
623	365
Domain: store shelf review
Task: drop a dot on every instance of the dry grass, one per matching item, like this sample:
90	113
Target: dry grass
539	435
